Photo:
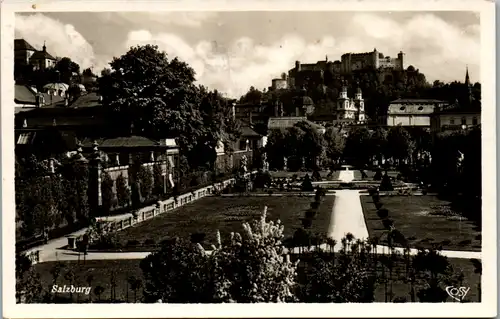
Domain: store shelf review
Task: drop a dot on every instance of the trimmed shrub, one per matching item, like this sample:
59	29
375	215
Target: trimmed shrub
316	176
386	184
378	175
378	205
388	223
307	184
310	213
382	213
315	205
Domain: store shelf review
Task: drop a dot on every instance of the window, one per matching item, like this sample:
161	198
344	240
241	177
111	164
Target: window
420	108
402	108
452	121
474	121
464	121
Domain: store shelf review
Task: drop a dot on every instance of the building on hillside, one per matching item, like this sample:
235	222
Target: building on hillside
370	60
279	83
306	74
27	58
350	110
412	112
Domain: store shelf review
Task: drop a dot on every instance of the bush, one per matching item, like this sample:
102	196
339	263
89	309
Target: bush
149	242
378	175
249	269
132	243
376	198
378	205
262	179
197	238
386	184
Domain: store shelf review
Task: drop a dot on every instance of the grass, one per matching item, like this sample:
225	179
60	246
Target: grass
411	216
102	271
227	214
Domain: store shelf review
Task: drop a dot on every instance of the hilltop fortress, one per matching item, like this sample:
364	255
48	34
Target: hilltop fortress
349	62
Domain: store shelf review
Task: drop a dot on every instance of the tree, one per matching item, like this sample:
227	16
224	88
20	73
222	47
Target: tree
98	290
122	191
312	144
135	285
28	283
379	143
344	277
145	179
158	179
358	145
253	96
400	143
154	95
334	144
108	195
66	67
276	149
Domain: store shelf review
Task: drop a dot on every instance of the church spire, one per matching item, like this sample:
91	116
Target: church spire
467	80
44	47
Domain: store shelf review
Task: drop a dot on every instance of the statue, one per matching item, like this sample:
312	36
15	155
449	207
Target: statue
285	162
265	164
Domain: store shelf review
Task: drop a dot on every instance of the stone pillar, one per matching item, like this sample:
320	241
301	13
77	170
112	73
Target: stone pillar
152	156
95	171
117	157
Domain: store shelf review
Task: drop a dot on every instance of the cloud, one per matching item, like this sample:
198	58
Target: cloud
439	49
191	19
62	40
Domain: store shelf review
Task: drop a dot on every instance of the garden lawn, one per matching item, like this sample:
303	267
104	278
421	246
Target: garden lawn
226	214
411	216
103	270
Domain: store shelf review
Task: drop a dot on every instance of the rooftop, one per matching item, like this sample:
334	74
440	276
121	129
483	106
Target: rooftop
40	55
122	142
25	95
21	44
419	101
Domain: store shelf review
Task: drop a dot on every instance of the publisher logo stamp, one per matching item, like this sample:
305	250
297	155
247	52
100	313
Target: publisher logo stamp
457	293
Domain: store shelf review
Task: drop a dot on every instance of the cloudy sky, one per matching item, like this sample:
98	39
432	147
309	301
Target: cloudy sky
231	51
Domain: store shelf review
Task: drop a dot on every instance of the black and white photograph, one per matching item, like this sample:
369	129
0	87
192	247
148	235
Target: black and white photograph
288	157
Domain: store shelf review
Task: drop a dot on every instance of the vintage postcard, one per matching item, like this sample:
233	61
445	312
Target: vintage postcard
193	159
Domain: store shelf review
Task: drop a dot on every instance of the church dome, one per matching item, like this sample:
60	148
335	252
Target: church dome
358	90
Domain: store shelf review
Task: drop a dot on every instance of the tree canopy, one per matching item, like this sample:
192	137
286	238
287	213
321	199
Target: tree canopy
157	97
